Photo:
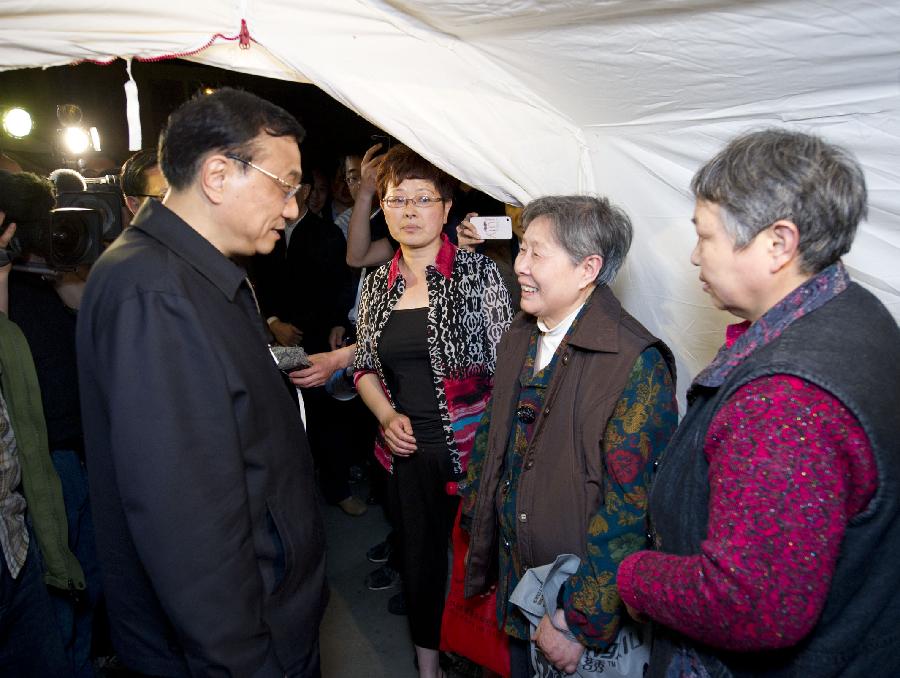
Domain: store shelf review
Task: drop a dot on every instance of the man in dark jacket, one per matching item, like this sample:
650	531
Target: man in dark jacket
209	534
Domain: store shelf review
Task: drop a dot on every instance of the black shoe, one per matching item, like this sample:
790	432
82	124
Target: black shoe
353	506
379	553
457	666
397	604
382	578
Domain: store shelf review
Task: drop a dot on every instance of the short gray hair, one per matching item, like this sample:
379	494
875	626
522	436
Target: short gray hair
772	174
584	225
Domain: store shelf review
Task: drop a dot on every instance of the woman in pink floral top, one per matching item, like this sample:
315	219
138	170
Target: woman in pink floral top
774	510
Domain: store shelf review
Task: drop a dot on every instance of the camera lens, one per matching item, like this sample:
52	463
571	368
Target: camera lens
74	236
69	240
104	203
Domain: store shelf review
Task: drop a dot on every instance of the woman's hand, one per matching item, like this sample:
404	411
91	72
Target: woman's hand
368	169
322	366
466	235
563	653
398	434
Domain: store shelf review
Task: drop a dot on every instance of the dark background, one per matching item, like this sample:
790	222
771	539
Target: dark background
332	129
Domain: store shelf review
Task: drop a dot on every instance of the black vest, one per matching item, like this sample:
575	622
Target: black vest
850	347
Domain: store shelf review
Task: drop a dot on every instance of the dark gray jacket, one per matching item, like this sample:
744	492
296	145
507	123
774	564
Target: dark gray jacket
208	529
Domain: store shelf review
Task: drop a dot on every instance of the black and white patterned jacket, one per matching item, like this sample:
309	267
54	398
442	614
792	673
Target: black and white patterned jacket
468	312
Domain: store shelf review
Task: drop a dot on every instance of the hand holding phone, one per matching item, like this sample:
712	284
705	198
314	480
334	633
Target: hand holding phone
492	228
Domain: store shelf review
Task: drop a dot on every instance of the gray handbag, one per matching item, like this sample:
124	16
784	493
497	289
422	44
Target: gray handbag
535	595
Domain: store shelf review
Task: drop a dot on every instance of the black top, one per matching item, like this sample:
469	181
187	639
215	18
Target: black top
49	327
407	371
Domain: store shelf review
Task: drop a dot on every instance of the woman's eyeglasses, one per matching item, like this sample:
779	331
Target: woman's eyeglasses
422	201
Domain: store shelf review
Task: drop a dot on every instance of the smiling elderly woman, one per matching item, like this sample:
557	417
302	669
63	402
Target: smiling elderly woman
583	402
776	504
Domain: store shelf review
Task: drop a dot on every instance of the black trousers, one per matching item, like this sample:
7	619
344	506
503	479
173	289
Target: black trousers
329	443
30	641
424	514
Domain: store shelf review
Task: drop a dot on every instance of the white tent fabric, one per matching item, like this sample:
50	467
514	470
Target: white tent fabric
524	98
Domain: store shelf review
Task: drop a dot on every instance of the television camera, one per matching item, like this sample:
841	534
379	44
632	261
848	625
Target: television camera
71	235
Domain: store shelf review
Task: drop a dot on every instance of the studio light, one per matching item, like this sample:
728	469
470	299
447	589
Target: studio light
95	138
69	115
17	122
76	140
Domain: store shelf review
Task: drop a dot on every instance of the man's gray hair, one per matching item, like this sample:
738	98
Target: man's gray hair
584	225
772	174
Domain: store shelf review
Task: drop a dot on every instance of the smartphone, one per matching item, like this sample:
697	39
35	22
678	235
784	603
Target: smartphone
492	228
385	140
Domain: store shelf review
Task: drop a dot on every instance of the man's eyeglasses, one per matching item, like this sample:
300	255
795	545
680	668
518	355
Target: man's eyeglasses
423	201
290	190
155	196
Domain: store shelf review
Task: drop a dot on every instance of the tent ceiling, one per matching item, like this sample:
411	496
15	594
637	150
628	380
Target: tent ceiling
526	97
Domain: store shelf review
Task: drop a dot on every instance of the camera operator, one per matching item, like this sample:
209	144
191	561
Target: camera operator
141	179
44	306
25	199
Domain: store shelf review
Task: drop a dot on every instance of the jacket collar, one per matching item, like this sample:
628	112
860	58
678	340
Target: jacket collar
162	224
818	290
443	263
598	325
